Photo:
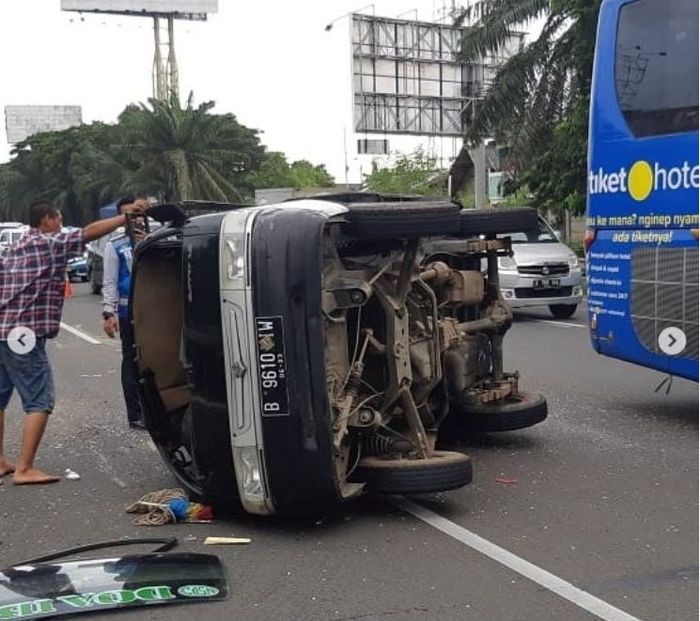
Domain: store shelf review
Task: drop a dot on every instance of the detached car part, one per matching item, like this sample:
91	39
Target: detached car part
45	590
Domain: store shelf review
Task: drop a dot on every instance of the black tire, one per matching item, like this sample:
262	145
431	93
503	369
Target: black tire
443	470
518	411
494	221
562	311
402	219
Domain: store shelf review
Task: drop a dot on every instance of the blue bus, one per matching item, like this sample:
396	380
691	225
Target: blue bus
643	179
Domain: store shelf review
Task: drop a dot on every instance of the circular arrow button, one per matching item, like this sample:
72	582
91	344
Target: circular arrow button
21	340
672	341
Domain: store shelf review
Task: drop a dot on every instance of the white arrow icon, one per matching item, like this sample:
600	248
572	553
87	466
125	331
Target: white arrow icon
21	340
672	341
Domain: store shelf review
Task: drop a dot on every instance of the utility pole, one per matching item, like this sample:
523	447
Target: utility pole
478	157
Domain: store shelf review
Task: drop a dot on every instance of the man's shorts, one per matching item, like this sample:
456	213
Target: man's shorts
30	374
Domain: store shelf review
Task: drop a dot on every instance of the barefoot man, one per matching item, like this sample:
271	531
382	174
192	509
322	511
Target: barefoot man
32	281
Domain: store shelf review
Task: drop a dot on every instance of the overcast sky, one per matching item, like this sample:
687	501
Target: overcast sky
271	63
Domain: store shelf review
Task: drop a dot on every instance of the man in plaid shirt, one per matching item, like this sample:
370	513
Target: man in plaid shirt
32	281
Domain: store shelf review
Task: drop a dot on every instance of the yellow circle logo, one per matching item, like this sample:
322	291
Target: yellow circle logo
640	181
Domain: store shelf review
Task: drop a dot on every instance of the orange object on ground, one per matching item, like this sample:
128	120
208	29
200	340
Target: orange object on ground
68	291
506	480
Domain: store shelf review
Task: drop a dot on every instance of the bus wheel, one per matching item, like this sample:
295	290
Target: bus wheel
520	410
562	311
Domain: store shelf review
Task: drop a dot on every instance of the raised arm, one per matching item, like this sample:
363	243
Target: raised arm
98	229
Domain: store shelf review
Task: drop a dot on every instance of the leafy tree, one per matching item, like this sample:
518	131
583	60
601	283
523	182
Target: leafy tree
306	175
557	176
415	173
187	153
41	170
273	172
162	149
539	98
276	172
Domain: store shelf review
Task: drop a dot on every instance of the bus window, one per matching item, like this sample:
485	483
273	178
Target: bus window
656	68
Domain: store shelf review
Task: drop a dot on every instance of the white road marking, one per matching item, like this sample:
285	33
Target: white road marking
542	577
79	334
561	324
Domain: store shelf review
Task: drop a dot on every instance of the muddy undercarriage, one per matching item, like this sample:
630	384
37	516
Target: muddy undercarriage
412	330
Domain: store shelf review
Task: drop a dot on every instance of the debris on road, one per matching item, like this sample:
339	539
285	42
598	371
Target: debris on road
506	480
169	506
226	541
71	474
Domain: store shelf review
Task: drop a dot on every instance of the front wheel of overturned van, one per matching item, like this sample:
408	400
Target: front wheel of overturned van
440	471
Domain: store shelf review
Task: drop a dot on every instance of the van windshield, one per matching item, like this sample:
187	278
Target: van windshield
541	234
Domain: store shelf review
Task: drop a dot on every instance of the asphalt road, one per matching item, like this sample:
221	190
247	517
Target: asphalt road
602	497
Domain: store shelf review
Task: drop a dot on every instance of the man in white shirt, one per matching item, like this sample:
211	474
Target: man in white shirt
118	257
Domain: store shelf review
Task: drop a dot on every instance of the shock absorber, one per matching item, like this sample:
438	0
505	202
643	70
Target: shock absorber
377	444
347	401
352	389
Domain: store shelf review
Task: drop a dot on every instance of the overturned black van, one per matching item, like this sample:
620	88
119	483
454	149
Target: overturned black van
294	356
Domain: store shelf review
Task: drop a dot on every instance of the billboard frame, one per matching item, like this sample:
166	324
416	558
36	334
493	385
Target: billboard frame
407	77
77	6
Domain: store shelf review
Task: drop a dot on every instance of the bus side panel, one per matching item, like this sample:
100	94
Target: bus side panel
637	291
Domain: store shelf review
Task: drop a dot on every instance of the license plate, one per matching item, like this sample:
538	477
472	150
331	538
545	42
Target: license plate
550	283
272	367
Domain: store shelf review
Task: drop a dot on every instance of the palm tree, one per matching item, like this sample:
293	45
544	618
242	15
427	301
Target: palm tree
187	153
39	171
161	149
539	87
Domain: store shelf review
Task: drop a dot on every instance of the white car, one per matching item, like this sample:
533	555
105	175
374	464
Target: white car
9	236
541	272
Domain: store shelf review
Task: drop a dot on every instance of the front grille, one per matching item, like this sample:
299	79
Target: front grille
556	292
664	294
552	269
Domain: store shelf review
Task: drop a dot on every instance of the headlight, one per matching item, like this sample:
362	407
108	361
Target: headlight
234	244
573	262
235	257
507	264
249	473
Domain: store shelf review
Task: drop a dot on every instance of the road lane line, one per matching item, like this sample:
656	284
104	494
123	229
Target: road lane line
542	577
560	323
79	334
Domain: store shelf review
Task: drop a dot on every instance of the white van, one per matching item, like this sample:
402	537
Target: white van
9	236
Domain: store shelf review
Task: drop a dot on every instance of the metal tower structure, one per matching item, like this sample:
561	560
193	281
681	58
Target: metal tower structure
166	80
163	13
